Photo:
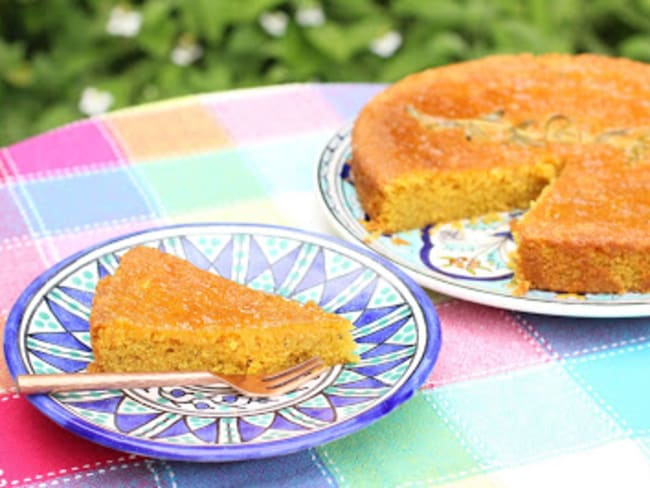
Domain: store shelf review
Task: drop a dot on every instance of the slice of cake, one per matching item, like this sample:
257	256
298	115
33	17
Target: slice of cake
590	230
161	313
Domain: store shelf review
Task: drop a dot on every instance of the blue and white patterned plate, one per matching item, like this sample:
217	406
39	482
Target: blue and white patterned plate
465	259
396	329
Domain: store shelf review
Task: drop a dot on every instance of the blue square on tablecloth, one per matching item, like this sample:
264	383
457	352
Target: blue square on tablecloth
523	415
571	337
619	380
81	200
288	164
349	99
294	470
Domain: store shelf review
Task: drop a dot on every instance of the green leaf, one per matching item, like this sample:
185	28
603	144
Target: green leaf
218	77
632	16
120	88
204	18
48	76
159	40
246	40
170	80
278	73
300	57
446	47
11	55
331	40
516	36
423	49
340	42
56	115
445	13
644	6
637	47
159	31
19	76
17	123
241	12
353	10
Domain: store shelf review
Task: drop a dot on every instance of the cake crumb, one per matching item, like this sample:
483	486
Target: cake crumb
491	217
372	237
457	224
519	287
398	241
570	296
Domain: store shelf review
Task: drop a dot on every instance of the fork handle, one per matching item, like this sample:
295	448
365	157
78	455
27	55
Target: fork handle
51	383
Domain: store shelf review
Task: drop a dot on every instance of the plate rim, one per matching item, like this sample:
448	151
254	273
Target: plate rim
484	297
176	452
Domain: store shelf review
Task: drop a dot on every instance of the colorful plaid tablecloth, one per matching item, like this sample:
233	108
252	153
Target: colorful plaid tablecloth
514	400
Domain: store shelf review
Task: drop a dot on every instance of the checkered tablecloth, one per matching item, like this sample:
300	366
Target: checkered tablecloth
514	400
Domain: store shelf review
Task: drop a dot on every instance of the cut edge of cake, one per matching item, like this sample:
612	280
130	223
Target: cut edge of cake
548	260
421	198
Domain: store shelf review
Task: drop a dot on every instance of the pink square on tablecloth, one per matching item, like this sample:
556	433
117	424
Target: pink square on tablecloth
4	168
272	113
39	447
68	244
80	146
479	341
20	263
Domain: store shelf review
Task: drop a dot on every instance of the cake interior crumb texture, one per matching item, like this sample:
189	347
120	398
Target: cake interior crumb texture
161	313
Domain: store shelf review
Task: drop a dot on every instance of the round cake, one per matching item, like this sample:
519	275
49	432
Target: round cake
568	134
489	135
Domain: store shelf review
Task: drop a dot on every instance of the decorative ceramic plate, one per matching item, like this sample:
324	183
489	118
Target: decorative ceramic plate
465	259
396	329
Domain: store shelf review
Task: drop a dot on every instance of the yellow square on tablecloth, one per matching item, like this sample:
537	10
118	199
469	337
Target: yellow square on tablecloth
151	134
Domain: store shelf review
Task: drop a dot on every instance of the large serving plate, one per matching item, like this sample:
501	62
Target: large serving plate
396	329
466	259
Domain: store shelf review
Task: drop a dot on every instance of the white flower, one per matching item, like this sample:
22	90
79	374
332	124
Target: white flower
185	53
94	101
386	45
310	16
274	23
124	22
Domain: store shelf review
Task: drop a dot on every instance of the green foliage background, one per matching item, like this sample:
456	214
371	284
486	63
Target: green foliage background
50	50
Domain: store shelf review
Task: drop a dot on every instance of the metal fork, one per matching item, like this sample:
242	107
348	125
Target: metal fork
249	385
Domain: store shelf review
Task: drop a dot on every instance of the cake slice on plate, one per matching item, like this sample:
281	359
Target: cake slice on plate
161	313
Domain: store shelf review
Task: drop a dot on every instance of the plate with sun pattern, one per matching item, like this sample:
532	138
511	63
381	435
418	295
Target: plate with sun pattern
396	329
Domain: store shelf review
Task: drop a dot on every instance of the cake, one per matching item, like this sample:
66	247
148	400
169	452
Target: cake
589	231
159	312
496	133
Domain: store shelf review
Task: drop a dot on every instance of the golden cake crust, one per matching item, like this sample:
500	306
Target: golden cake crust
590	230
512	121
161	313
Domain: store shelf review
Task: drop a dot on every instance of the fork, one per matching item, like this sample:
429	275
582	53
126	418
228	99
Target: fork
250	385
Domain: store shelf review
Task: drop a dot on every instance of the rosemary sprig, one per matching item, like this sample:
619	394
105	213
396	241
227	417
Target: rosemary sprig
555	128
